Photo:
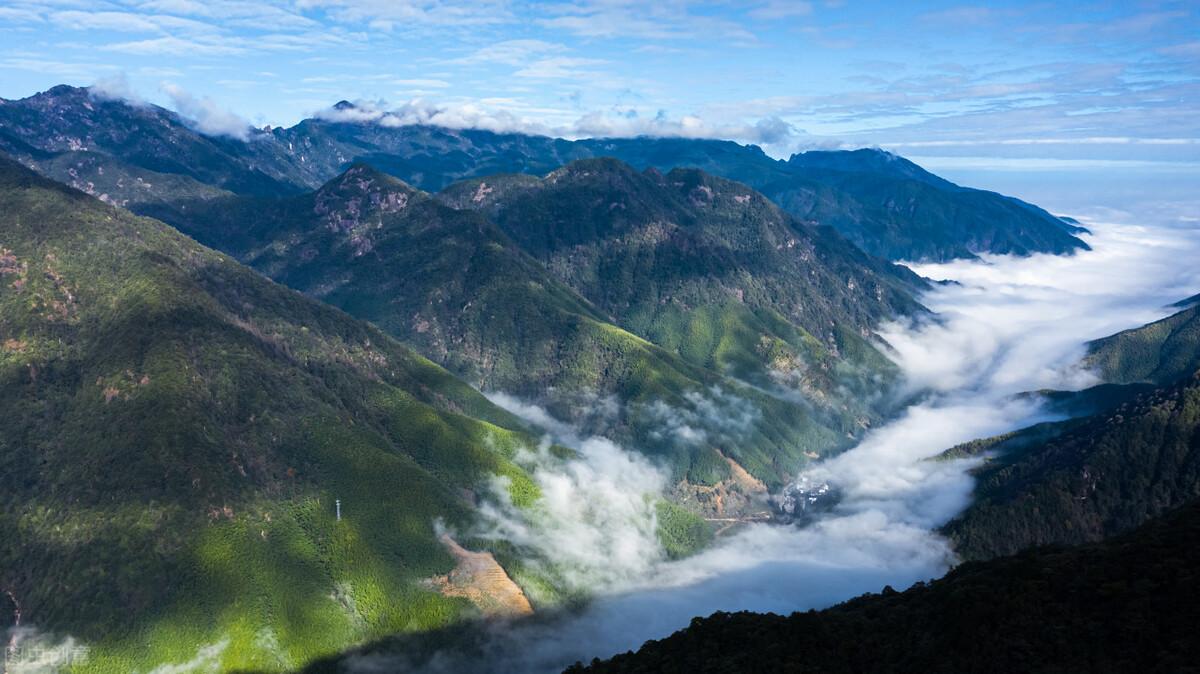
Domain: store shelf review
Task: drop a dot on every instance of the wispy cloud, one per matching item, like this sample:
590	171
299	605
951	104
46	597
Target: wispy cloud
207	117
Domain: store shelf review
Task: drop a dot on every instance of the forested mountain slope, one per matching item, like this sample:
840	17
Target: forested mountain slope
470	295
176	430
1158	353
1105	475
1092	477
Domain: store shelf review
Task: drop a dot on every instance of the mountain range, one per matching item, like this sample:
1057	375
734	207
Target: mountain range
241	375
615	284
135	153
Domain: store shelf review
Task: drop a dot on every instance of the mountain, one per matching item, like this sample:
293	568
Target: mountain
894	209
1097	477
1123	605
128	152
1158	353
883	203
181	434
1134	457
486	302
670	255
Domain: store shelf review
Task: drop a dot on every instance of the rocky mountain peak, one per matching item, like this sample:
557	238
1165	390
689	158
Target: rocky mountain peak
360	194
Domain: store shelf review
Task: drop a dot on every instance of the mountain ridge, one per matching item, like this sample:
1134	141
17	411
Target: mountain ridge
910	216
177	432
469	294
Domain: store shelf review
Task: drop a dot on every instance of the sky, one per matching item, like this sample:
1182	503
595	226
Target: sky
1011	89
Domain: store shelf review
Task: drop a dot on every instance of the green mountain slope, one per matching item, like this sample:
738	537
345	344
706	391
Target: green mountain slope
176	429
707	268
1158	353
1120	606
881	202
453	284
1104	475
1130	453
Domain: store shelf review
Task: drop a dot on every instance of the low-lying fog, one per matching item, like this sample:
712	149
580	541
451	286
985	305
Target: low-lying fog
1007	325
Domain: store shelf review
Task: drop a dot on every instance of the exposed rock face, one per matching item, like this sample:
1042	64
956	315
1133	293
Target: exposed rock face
480	578
738	499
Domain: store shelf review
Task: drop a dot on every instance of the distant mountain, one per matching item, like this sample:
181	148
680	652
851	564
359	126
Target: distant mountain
894	209
77	137
177	431
883	203
698	299
1120	606
1193	300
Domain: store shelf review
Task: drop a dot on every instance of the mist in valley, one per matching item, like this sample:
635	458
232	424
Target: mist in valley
1003	326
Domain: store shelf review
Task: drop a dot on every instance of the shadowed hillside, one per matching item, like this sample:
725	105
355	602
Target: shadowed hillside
1124	605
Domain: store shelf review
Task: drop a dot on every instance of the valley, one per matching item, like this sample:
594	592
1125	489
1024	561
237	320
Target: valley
360	396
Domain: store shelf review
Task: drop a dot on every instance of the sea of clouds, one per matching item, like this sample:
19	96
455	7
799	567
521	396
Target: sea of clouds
1003	326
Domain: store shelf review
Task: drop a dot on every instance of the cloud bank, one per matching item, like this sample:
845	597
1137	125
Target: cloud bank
626	123
1010	325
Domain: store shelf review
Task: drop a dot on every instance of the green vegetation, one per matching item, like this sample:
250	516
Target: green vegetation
458	288
1129	454
176	431
1087	480
1120	606
1158	353
714	273
682	532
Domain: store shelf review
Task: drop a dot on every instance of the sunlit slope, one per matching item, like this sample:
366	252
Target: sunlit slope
710	270
175	431
458	288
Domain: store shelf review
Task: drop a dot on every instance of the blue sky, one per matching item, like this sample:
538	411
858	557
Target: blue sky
1006	86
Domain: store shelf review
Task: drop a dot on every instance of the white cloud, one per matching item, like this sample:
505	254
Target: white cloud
174	46
402	14
595	522
558	67
781	9
632	19
116	88
495	115
127	22
422	83
205	115
1011	325
508	116
511	52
